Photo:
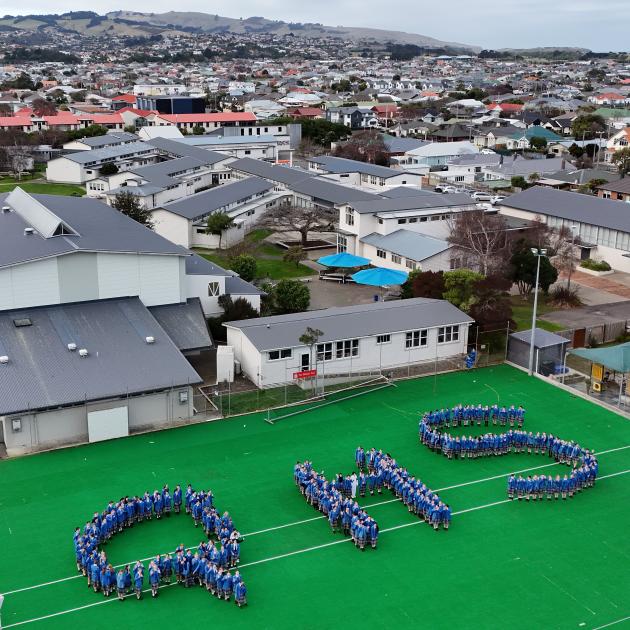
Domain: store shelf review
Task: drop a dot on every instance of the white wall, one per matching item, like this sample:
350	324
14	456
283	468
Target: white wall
197	287
64	170
372	356
173	227
31	284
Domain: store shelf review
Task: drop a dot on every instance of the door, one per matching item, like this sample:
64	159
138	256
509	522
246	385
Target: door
579	337
306	361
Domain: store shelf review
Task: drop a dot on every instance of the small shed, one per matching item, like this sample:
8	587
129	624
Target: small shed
549	350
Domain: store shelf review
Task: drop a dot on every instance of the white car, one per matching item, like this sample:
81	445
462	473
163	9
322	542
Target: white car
446	189
481	196
496	199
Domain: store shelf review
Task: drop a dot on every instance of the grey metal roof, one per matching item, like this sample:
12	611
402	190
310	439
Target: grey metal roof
402	145
237	286
98	227
198	266
42	372
184	323
334	164
423	201
614	215
405	191
204	203
273	172
348	322
218	141
326	190
109	139
527	167
116	151
542	338
180	149
163	173
411	245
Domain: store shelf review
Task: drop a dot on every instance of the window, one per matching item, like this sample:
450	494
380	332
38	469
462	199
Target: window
401	221
342	243
284	353
383	339
349	216
455	263
247	152
459	178
424	219
413	220
410	264
381	253
213	289
347	348
396	259
446	334
416	338
380	221
435	217
324	351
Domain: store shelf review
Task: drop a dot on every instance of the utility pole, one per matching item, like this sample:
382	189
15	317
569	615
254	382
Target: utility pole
539	253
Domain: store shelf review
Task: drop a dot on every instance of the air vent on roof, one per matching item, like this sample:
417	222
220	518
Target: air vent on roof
83	352
22	321
6	208
72	346
4	359
149	339
28	231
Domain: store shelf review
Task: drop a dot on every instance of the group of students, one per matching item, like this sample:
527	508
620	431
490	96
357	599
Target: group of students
336	501
584	463
209	566
469	415
417	496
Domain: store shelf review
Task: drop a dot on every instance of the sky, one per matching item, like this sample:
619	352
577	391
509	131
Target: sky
600	25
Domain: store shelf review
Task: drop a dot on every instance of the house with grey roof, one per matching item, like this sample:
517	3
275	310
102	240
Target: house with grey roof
111	139
602	226
365	337
245	201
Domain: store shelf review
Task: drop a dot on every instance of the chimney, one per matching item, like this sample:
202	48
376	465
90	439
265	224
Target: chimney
501	160
563	164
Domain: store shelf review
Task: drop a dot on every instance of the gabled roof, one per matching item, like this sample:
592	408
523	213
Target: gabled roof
204	203
109	139
572	206
349	322
412	245
423	201
43	373
181	149
337	165
273	172
184	323
108	153
96	227
328	191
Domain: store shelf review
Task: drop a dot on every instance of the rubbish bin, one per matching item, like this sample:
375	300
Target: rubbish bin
547	368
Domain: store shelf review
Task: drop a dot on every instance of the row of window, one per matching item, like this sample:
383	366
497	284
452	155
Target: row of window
410	264
350	347
432	217
594	234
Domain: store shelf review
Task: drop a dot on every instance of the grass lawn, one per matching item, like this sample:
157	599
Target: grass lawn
43	188
560	565
522	313
269	263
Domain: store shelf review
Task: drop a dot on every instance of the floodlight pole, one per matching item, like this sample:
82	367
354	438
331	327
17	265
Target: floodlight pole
539	253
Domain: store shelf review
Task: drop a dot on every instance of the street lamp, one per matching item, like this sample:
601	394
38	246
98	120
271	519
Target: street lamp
574	229
539	253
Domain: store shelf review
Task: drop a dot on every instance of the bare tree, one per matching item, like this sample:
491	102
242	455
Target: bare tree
19	159
291	218
484	237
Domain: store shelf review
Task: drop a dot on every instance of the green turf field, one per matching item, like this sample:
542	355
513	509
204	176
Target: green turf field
501	565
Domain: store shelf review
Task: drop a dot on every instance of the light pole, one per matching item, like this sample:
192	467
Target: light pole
539	253
574	229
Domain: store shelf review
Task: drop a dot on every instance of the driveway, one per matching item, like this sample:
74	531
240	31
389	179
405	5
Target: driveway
590	315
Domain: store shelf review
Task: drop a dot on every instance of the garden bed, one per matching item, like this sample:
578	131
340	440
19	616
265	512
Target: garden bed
310	245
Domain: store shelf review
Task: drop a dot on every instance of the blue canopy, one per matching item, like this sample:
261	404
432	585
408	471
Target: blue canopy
380	277
615	358
343	259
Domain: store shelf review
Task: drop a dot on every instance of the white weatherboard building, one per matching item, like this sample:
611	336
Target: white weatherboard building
367	337
101	320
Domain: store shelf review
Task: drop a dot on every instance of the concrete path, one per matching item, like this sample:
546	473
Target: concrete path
590	315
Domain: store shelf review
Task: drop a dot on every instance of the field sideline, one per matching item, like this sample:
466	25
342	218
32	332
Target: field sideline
549	564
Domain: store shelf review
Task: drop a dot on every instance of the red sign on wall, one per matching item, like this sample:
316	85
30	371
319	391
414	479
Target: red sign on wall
305	374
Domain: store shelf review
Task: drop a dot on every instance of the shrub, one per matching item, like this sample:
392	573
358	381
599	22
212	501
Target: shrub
565	297
595	265
245	266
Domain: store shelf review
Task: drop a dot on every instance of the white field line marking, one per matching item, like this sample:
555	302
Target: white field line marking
294	553
316	518
612	623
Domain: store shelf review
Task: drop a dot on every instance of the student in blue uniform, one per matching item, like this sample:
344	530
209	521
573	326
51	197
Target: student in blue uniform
240	594
120	585
138	578
154	578
177	499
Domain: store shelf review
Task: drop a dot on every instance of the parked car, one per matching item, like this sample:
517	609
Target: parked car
446	189
481	196
496	199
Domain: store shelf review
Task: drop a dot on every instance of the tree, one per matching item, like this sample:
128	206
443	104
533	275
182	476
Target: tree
291	296
523	273
459	287
483	237
295	254
491	308
234	310
42	107
538	142
533	178
518	181
365	146
245	266
127	203
198	130
309	338
622	159
595	183
217	223
109	168
586	126
290	218
427	284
